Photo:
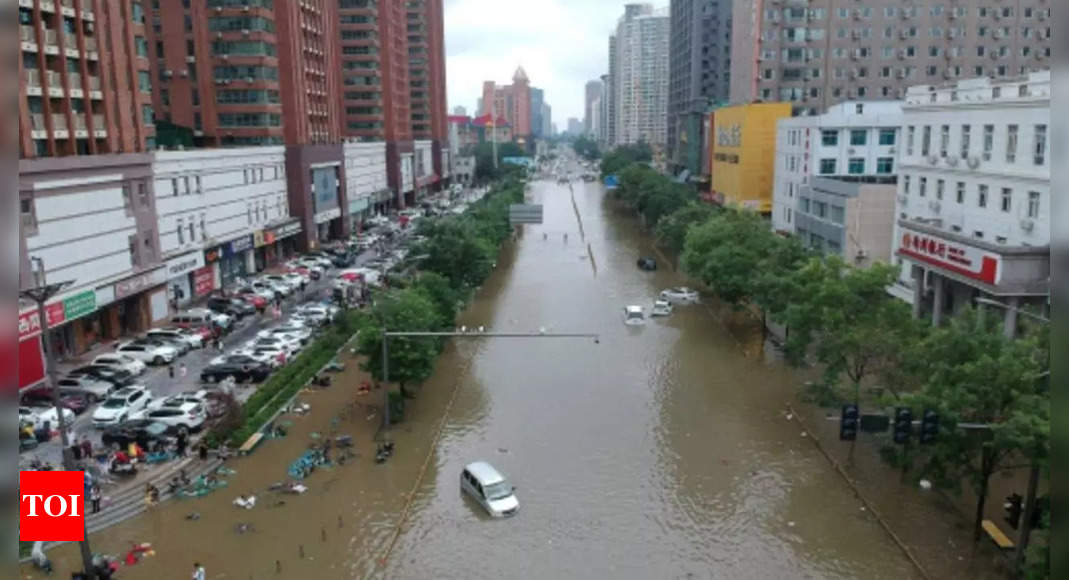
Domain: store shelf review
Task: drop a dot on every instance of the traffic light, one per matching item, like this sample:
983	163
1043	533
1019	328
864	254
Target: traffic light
848	423
903	425
1013	509
929	426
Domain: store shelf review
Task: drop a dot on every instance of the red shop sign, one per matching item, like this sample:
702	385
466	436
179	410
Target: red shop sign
30	322
958	258
204	281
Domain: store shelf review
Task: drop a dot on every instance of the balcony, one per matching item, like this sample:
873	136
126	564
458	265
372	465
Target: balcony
90	44
54	79
33	80
28	36
79	122
50	36
37	122
74	80
59	122
94	83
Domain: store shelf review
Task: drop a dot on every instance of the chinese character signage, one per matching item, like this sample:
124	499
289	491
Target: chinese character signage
951	256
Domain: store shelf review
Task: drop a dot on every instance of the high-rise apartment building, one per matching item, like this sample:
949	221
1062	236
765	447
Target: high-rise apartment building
547	120
537	98
591	93
602	132
513	102
820	52
254	72
86	85
610	96
641	82
699	74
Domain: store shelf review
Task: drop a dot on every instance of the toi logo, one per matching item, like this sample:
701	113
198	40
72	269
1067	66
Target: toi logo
51	506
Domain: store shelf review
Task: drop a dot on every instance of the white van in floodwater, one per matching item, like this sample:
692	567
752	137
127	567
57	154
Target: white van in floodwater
487	486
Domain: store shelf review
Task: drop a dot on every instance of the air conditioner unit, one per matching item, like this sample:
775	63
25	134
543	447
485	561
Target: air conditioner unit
932	160
1041	16
168	73
853	74
245	31
218	9
855	34
946	75
248	79
1027	225
861	255
851	151
857	14
901	54
996	15
218	34
225	56
953	16
934	206
994	55
900	74
973	162
220	81
952	161
903	199
245	8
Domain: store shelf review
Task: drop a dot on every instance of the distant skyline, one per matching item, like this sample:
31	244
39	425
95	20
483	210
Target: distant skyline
561	44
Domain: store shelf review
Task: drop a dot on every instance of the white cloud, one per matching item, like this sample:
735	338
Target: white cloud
560	43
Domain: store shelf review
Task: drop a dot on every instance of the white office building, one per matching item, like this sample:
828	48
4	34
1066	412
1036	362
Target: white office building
366	187
853	140
973	205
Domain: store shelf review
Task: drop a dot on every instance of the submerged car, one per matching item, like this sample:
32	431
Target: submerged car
661	308
680	295
647	264
634	315
490	489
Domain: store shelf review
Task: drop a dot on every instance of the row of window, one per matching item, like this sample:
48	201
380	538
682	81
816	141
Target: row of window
857	166
987	141
797	13
821	209
244	47
239	72
237	23
250	120
982	194
801	93
190	229
247	96
803	34
269	4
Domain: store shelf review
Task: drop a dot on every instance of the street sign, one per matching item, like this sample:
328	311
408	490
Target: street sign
525	213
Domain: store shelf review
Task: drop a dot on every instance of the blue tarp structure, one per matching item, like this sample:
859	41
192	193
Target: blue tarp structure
611	182
524	161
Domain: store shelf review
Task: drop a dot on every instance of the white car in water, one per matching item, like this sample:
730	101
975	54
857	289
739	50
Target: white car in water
661	308
121	362
680	295
634	315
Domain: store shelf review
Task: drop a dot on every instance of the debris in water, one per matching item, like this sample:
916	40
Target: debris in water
502	450
790	524
790	416
193	516
862	508
804	434
925	484
243	527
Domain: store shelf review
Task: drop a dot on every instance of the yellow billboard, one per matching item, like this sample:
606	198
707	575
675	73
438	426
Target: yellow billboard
742	146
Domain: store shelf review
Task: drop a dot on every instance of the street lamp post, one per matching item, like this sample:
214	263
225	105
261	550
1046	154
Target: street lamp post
40	294
458	333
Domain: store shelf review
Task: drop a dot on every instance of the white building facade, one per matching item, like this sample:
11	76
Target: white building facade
366	185
641	76
973	205
853	140
222	214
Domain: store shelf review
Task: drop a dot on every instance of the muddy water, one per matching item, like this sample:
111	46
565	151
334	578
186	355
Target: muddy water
658	452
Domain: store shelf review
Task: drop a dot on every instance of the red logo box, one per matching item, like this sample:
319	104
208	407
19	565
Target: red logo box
51	506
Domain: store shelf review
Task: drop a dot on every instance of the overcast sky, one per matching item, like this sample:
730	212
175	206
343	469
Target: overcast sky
560	43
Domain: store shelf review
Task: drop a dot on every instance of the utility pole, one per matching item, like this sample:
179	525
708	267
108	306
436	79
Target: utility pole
41	293
464	334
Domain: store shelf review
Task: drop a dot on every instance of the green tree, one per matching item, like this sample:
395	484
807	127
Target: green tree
586	147
725	251
973	375
772	290
846	319
452	250
616	160
672	229
411	358
445	298
664	198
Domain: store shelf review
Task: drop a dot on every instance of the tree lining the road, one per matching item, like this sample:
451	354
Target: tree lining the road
613	162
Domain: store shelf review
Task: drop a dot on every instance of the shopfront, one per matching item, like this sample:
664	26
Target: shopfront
358	213
326	196
204	280
139	301
235	259
180	279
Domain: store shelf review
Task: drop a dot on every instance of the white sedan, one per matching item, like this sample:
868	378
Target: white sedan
183	416
120	406
289	344
680	295
179	334
121	362
265	354
148	353
38	417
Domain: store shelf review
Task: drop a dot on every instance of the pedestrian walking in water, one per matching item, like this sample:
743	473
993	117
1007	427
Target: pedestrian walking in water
182	370
87	448
181	444
94	498
170	370
203	451
198	571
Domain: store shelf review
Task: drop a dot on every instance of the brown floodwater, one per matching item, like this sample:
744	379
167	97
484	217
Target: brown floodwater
659	452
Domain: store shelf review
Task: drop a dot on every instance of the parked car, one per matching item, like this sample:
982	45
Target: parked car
39	416
144	432
183	417
181	345
235	307
95	389
317	259
648	264
661	308
680	295
199	396
148	353
290	282
313	271
193	339
301	333
291	344
120	406
489	489
41	397
258	297
240	372
250	356
121	361
116	377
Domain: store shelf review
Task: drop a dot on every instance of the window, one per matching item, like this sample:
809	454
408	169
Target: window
827	166
1007	199
940	187
199	188
820	209
856	166
1011	143
248	212
981	196
989	141
978	234
837	214
944	140
885	165
174	185
178	230
804	204
966	131
926	141
911	132
203	230
887	136
1033	204
905	184
829	137
923	187
192	231
144	81
1039	153
959	193
141	46
858	136
1000	239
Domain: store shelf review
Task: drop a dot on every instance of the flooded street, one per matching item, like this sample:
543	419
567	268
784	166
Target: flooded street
659	452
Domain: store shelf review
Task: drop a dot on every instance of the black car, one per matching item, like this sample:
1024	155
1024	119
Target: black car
233	306
342	260
144	432
117	377
648	264
253	371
